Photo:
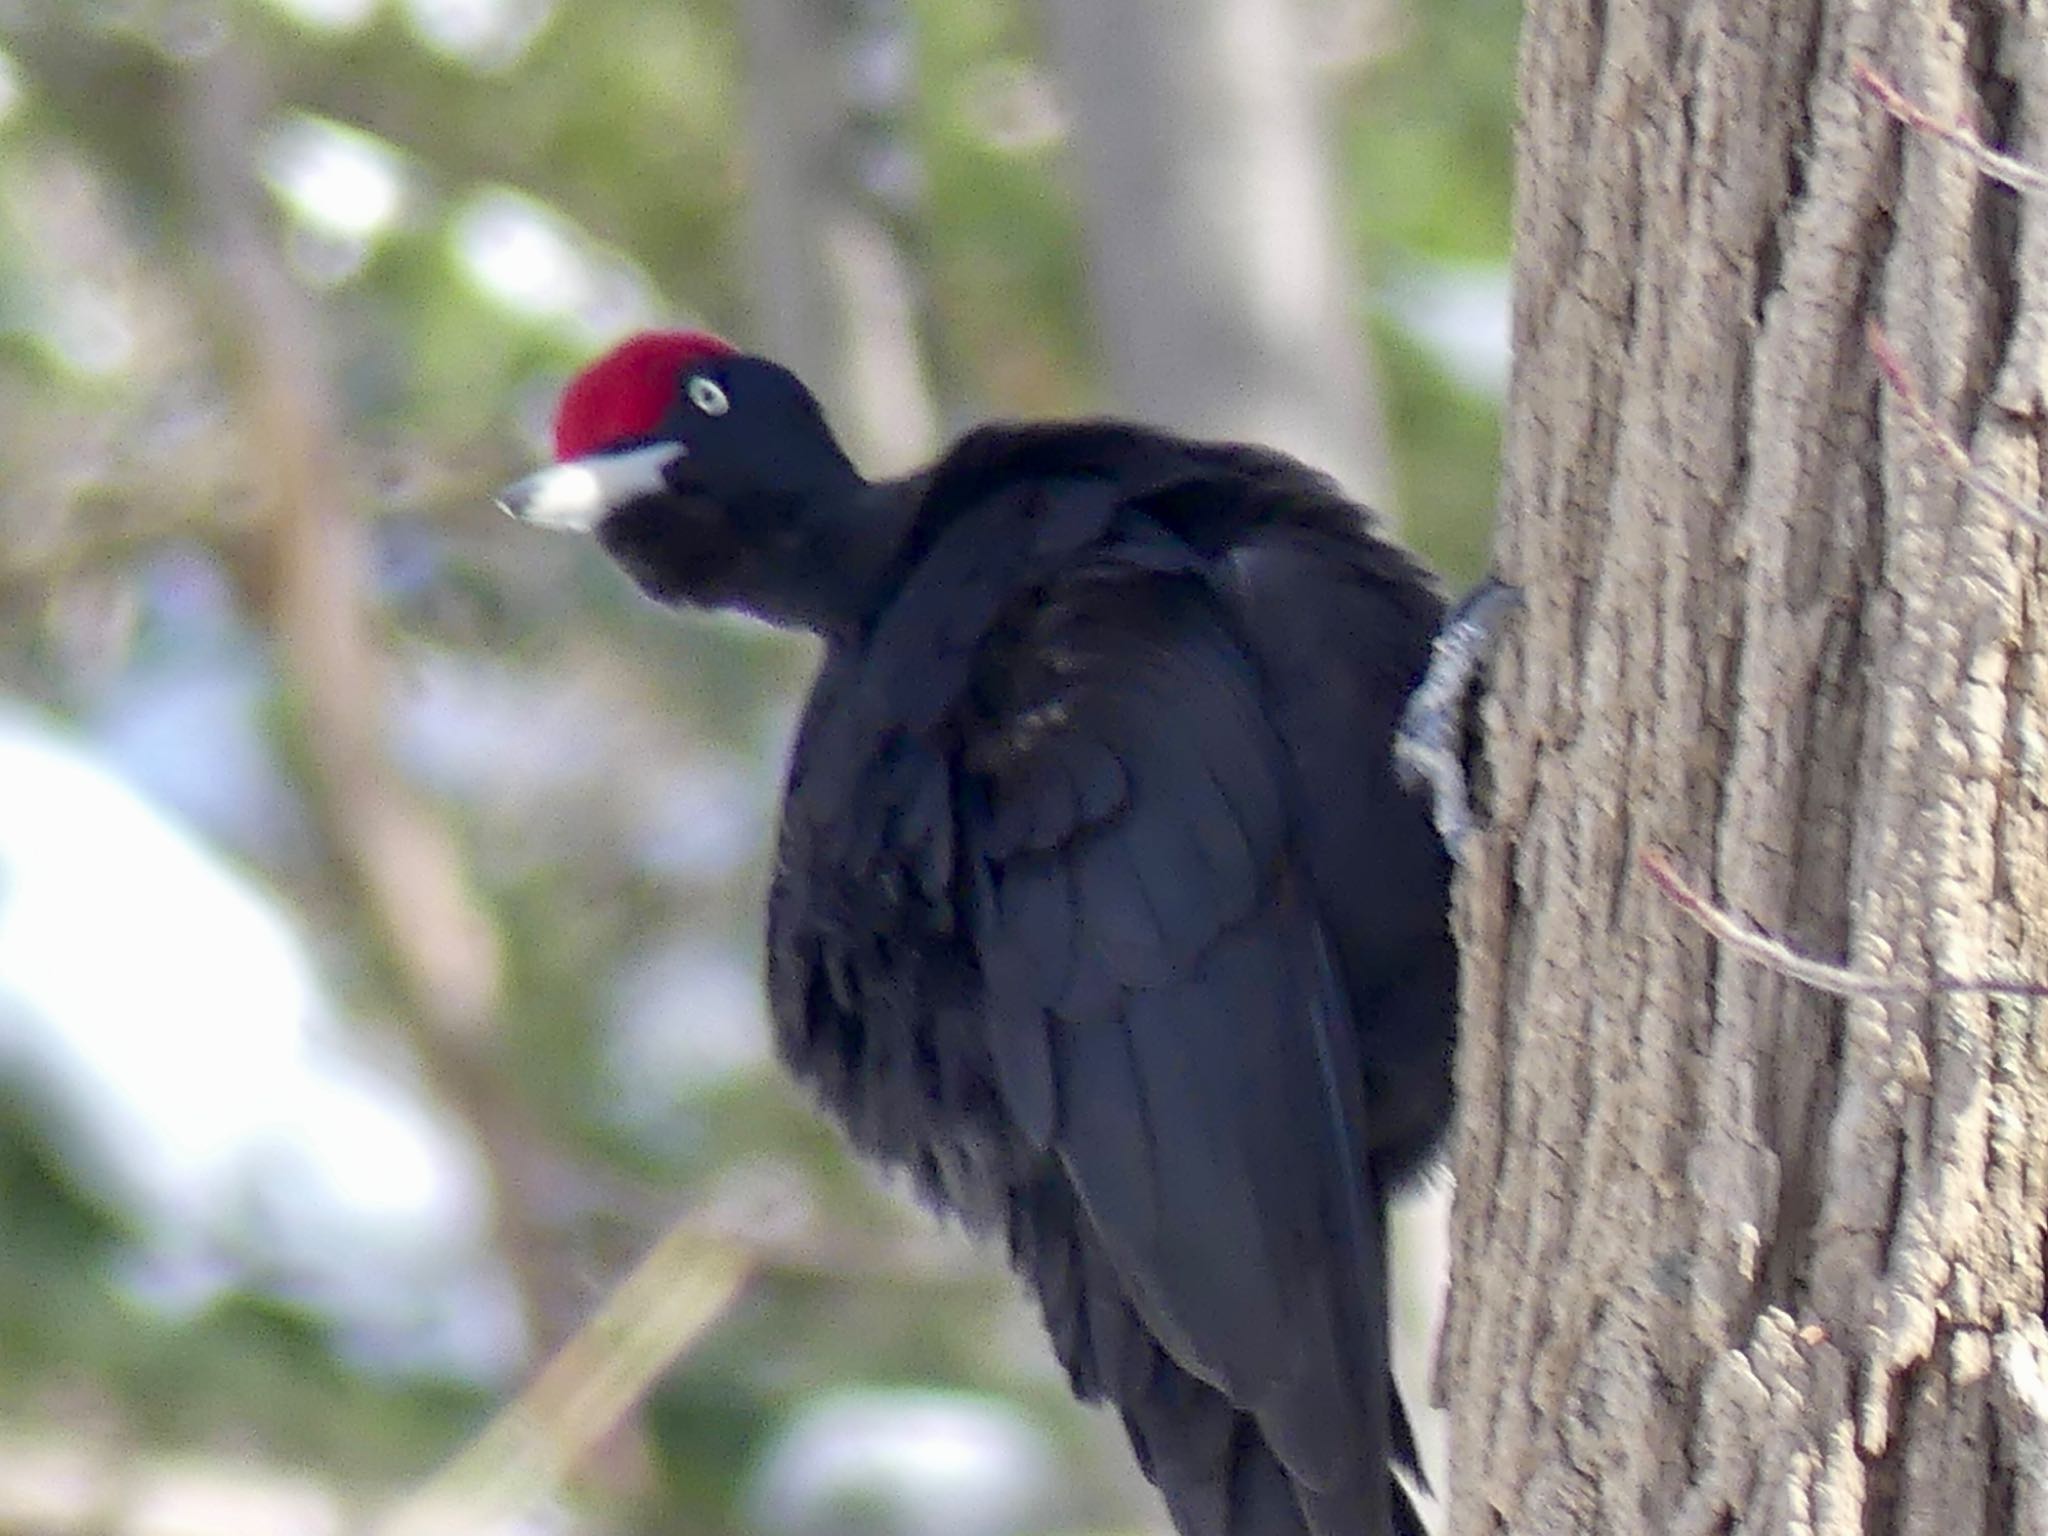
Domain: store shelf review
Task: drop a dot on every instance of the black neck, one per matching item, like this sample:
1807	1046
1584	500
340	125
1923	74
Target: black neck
848	569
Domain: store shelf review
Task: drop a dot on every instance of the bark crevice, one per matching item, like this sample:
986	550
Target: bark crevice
1763	630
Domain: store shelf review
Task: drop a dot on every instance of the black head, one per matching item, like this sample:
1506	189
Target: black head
712	478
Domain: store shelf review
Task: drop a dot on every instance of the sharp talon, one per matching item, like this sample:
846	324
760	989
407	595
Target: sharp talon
1430	748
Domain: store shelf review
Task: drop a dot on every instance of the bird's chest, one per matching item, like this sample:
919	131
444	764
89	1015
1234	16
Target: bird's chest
873	982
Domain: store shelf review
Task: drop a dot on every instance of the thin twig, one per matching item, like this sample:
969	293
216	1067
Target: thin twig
1945	444
1996	164
668	1302
1774	953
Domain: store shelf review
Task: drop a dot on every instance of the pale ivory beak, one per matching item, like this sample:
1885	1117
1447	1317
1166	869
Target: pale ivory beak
577	495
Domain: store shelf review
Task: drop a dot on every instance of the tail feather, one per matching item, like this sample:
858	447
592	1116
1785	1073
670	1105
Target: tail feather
1212	1462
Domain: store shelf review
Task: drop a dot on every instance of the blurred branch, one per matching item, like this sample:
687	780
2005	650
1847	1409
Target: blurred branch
688	1279
307	569
306	539
684	1284
314	581
653	1316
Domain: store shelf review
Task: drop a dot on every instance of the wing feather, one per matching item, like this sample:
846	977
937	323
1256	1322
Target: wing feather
1167	1022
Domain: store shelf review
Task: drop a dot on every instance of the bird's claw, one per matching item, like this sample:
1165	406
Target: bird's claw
1430	747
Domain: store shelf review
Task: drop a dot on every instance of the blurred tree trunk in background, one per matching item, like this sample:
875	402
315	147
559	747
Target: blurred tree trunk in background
833	175
1733	1256
1221	278
308	575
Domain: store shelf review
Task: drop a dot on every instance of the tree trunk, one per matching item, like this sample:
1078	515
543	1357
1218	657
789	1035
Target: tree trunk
833	176
1219	271
1731	1255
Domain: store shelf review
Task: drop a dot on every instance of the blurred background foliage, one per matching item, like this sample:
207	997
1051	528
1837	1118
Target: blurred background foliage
379	881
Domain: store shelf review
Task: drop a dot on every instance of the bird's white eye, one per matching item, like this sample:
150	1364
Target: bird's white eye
707	396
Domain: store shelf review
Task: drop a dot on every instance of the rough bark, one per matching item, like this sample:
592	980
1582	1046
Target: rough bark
1731	1256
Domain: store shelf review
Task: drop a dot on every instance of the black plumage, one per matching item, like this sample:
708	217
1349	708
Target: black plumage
1097	907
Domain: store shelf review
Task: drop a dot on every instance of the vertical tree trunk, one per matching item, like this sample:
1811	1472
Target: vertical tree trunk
836	298
1730	1255
1220	275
